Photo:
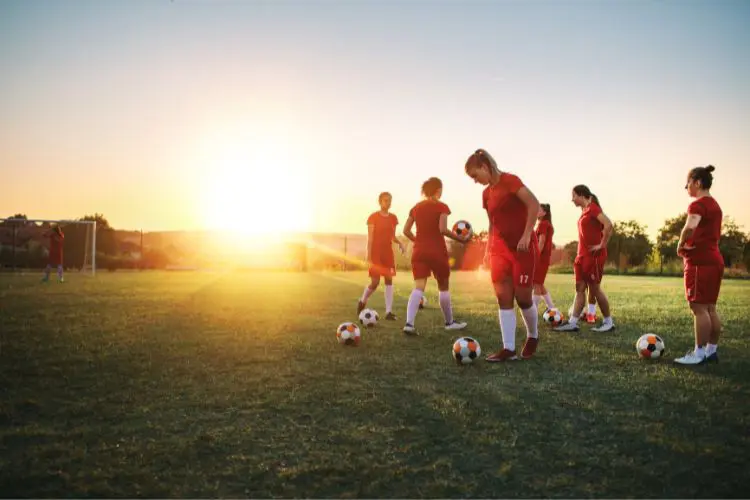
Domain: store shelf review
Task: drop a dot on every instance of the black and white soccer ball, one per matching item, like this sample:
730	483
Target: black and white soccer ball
368	318
650	346
463	230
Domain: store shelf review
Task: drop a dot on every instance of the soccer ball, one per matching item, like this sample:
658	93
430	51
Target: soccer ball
423	302
463	230
466	350
348	334
368	318
552	316
650	346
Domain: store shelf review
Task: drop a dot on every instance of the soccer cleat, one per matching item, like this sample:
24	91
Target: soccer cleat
529	347
501	356
691	359
410	330
713	358
605	327
360	307
44	280
390	316
455	326
61	280
591	318
566	327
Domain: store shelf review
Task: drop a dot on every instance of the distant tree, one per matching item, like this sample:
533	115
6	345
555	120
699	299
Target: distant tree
732	242
746	253
629	243
669	236
16	216
571	250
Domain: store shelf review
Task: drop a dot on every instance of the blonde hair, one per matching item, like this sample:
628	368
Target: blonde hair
479	159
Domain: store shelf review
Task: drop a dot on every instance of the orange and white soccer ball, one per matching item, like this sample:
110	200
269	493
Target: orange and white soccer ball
466	350
348	334
650	346
552	316
463	230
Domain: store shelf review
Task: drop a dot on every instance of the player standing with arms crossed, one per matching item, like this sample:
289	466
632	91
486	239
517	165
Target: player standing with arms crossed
704	265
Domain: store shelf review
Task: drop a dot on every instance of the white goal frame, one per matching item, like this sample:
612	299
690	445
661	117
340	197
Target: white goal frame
66	222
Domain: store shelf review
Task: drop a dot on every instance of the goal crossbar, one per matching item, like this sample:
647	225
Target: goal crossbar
64	221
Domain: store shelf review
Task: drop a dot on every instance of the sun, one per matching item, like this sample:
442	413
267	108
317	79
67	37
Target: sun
257	190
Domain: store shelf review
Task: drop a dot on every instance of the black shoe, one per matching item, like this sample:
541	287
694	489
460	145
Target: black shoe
360	306
390	316
410	330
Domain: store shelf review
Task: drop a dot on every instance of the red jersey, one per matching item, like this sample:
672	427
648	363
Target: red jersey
706	236
56	248
383	232
429	239
506	211
544	228
590	230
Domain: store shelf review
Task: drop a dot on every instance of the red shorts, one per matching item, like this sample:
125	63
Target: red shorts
383	264
702	283
589	268
540	273
520	266
55	259
425	265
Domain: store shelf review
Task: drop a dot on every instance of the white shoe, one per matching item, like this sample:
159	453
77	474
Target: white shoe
455	326
410	330
691	359
605	327
566	327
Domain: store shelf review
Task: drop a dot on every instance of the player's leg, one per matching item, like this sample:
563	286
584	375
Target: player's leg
60	273
46	272
421	271
389	298
442	272
590	312
369	289
502	280
571	325
523	275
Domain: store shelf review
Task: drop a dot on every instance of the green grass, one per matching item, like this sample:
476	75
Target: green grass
211	385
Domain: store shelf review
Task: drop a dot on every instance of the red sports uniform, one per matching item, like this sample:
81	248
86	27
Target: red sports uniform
508	215
56	249
430	255
589	266
704	265
384	230
544	228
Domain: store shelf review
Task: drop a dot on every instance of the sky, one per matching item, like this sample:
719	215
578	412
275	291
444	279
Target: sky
273	116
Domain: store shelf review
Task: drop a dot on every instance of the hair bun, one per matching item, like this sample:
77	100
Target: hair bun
710	168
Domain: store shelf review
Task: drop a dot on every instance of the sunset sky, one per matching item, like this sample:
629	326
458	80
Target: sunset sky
169	115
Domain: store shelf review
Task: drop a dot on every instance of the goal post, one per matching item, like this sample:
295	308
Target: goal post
22	243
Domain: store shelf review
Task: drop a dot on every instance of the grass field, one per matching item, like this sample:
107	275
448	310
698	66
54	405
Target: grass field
206	385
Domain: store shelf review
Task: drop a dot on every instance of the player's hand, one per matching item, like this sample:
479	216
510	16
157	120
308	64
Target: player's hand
684	250
402	248
523	243
595	249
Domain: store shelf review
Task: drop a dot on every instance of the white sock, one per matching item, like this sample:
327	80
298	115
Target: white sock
59	271
537	299
548	300
700	351
445	305
711	349
573	320
388	298
530	319
607	320
366	294
413	305
592	309
508	328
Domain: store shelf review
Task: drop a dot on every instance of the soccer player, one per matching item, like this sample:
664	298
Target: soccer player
544	231
588	314
594	230
704	265
56	240
430	254
381	234
512	250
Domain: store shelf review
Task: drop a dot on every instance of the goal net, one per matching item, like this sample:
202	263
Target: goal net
24	244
